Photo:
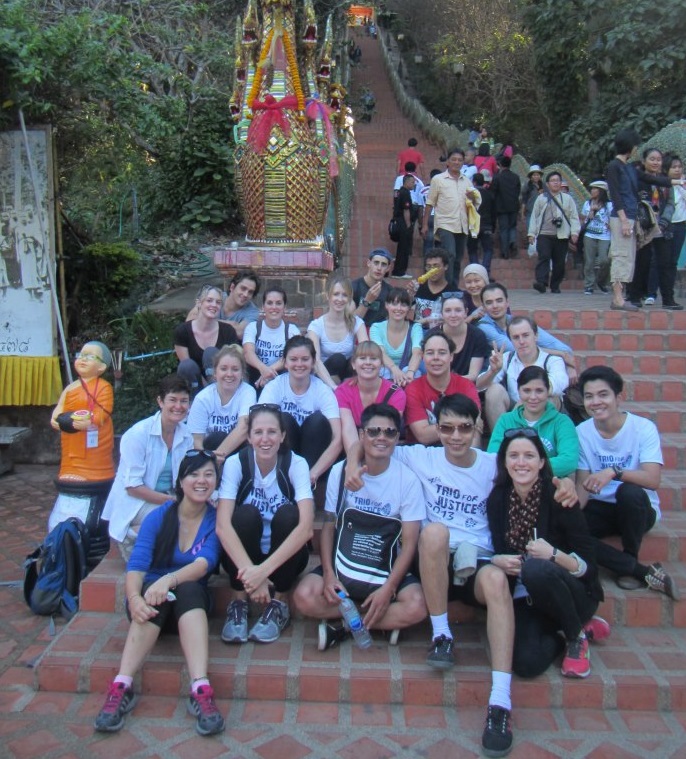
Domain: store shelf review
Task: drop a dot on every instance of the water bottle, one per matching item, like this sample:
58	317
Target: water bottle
353	621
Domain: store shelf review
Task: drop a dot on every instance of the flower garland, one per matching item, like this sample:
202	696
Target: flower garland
259	72
295	74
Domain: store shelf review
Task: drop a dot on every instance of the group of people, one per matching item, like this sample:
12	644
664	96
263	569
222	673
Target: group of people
223	476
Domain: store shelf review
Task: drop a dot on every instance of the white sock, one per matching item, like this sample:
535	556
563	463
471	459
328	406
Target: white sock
201	682
439	623
128	681
500	690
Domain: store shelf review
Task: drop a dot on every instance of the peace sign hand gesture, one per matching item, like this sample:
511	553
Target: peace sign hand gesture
495	362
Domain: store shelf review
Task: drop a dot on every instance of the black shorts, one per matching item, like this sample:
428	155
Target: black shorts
189	596
408	580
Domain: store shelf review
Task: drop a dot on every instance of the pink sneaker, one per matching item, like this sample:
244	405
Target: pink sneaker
577	662
597	629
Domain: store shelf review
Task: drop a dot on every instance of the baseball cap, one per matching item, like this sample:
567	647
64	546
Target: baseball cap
381	252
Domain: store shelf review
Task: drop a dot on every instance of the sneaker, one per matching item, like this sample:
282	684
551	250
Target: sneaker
577	661
441	653
330	635
649	301
497	736
657	579
274	619
673	306
201	705
119	701
597	629
235	628
604	288
540	287
588	291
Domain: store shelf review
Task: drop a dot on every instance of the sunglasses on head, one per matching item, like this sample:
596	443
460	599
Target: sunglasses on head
264	407
390	433
449	429
520	432
452	294
193	452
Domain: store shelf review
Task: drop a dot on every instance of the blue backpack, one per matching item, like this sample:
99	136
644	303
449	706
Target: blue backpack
53	572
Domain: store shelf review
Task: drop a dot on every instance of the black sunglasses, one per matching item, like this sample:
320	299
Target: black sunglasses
193	452
390	433
520	432
264	407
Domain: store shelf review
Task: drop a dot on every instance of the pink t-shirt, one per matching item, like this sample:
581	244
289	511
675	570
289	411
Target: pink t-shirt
421	399
348	396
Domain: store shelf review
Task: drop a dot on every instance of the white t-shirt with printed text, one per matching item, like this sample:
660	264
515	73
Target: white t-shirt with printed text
271	342
207	413
317	397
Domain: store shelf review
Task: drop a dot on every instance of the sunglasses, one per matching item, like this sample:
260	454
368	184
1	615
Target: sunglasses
448	429
390	433
452	294
193	452
264	407
88	357
520	432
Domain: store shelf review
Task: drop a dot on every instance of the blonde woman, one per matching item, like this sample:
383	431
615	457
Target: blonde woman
335	333
218	419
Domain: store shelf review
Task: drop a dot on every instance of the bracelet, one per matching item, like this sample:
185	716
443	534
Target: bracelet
176	580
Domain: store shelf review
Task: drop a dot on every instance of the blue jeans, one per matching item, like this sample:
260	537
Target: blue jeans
453	244
486	239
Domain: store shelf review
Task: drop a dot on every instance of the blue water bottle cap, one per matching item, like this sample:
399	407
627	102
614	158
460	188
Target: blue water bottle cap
341	594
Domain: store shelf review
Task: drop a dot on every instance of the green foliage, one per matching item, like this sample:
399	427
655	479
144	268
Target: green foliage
110	270
144	332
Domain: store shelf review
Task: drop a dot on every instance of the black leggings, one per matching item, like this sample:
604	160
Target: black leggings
559	601
338	365
630	517
247	521
189	595
311	438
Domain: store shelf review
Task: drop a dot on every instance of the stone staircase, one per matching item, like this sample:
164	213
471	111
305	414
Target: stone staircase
641	667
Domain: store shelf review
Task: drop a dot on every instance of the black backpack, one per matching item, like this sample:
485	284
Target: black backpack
53	572
247	460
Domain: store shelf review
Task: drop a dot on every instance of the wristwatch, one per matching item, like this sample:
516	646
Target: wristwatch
366	303
618	471
553	555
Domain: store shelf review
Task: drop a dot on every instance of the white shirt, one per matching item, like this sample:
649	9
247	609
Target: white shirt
327	347
636	443
394	493
209	415
266	494
317	397
454	496
555	368
143	454
271	342
420	189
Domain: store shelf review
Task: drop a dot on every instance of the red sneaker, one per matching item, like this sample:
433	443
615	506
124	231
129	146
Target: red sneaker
577	661
597	629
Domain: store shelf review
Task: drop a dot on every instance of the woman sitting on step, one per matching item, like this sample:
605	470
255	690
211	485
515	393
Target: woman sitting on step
166	587
548	554
264	521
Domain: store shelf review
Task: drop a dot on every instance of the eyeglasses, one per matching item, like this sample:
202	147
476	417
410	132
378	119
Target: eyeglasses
449	429
390	433
264	407
452	294
88	357
193	452
520	432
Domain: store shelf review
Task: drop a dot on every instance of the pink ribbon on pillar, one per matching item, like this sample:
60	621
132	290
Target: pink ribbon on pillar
268	114
316	109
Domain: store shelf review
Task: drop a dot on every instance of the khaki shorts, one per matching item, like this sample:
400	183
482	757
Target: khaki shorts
622	252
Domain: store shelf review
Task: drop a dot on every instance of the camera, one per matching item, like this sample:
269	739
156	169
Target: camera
557	223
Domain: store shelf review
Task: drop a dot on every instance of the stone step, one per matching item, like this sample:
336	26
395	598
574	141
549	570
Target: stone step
585	319
629	363
626	340
641	666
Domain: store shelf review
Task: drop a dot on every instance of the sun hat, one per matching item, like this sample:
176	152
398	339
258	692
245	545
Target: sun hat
534	168
600	184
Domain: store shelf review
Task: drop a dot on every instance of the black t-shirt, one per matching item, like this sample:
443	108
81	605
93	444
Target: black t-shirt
377	310
427	305
183	336
475	346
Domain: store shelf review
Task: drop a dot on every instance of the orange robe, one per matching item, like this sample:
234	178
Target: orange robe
79	462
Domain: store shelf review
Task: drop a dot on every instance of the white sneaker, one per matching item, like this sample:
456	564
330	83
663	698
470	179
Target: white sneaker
649	301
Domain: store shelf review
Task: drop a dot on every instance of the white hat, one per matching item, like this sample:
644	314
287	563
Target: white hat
486	174
534	168
600	184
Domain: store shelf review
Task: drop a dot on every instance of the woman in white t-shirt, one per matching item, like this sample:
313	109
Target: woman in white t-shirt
218	419
265	339
310	412
264	521
335	333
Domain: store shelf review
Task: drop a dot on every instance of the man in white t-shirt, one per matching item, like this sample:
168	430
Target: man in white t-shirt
389	490
456	481
620	464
